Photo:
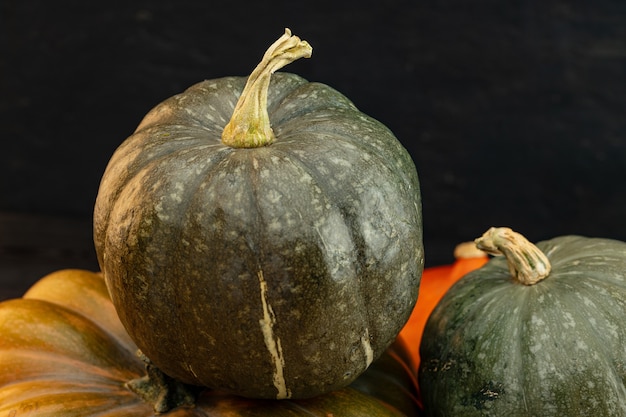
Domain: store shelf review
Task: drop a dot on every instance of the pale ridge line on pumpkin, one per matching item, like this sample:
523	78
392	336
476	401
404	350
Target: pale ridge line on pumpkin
367	348
271	342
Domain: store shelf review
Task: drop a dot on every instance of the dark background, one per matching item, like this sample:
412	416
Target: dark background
513	111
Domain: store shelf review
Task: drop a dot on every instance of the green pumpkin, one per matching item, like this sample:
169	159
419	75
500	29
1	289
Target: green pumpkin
261	236
539	332
64	353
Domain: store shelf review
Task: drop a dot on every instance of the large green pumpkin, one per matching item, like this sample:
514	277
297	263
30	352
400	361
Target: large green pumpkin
539	332
272	262
64	353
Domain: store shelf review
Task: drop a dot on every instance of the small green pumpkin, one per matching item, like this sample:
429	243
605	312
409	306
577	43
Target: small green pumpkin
538	332
64	353
261	236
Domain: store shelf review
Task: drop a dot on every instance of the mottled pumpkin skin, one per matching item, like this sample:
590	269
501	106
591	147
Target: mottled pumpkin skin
275	272
493	347
64	353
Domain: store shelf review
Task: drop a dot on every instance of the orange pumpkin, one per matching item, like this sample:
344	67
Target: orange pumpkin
435	282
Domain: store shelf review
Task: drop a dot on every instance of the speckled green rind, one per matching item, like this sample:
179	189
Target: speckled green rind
64	353
279	271
493	347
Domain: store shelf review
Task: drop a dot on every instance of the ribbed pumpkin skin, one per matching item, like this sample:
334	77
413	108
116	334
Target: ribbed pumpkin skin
493	347
279	271
64	353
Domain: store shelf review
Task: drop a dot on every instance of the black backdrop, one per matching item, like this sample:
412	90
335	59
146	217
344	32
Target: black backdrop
513	111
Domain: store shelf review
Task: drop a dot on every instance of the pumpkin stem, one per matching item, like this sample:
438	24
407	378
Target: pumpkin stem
160	390
526	262
468	250
249	126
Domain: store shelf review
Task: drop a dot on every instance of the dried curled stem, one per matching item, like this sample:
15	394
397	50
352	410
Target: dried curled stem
163	392
526	262
249	126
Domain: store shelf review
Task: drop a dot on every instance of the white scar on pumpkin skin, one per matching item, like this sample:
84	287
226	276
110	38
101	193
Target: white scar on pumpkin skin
367	348
273	343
